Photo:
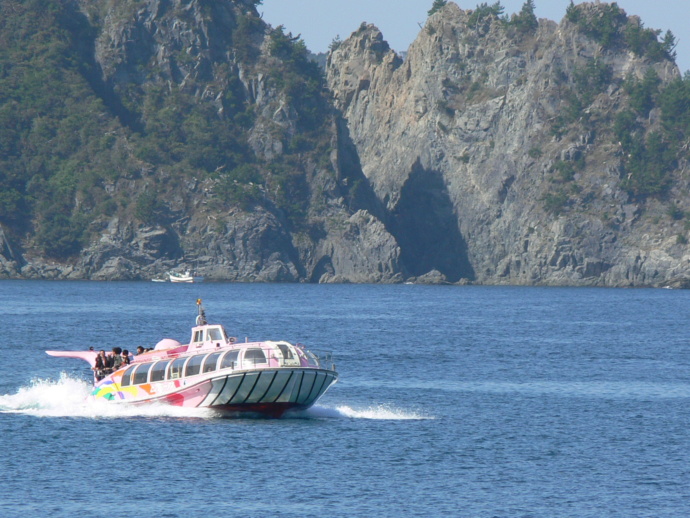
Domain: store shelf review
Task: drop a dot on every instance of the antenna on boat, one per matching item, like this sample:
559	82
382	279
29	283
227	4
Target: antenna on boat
201	317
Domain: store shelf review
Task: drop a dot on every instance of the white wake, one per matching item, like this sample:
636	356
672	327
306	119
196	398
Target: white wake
380	412
68	397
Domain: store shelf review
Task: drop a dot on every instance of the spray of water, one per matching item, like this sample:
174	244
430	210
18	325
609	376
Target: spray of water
68	397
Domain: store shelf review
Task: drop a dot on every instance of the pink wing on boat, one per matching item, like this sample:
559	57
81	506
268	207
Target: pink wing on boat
87	356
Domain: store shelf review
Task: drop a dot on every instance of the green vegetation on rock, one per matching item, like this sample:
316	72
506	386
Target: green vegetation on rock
73	137
438	4
651	155
612	28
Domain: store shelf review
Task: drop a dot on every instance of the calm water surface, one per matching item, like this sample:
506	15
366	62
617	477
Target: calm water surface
453	401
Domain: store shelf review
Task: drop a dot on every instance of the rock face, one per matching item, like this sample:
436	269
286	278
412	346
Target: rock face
8	260
450	166
458	144
146	58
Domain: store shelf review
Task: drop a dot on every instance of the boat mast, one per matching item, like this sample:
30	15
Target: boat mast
201	317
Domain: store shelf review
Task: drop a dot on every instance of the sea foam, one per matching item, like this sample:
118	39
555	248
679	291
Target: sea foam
68	397
380	412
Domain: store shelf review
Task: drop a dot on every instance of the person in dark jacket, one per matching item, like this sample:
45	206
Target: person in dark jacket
115	359
101	366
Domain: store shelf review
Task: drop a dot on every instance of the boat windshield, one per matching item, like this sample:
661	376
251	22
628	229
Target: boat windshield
215	334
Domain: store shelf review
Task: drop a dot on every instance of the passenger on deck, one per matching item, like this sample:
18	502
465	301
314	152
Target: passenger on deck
140	350
100	366
116	359
126	360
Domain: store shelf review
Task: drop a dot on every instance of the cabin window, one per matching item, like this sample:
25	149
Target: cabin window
287	353
158	371
210	363
229	360
199	336
194	365
176	368
142	373
127	377
215	334
255	356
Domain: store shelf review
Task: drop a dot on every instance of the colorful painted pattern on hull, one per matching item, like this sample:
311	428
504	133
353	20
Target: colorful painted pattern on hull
265	391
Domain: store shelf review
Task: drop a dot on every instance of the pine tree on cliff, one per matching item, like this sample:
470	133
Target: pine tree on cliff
525	21
438	4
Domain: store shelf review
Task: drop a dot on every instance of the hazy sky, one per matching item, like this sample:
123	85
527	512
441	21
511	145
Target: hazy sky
319	21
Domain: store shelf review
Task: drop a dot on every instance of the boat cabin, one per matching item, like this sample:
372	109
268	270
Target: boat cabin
246	356
209	336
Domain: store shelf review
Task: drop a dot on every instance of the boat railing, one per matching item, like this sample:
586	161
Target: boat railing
321	359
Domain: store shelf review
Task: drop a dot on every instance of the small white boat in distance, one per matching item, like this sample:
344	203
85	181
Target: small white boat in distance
184	277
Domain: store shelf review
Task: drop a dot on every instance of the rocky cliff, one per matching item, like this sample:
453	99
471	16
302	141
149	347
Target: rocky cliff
466	145
188	134
216	150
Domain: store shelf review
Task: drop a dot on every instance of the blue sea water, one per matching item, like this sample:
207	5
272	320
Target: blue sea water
452	401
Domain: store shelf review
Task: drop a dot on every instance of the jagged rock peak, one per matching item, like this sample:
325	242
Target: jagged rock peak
368	44
473	128
365	50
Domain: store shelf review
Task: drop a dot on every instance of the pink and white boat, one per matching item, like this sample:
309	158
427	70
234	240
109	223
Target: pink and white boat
217	372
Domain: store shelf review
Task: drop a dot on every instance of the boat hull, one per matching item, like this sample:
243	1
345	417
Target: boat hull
268	391
185	278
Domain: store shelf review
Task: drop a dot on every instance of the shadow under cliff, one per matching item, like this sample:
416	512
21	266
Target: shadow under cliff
355	186
426	228
423	222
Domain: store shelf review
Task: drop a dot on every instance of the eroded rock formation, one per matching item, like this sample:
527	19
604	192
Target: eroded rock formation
456	164
458	143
